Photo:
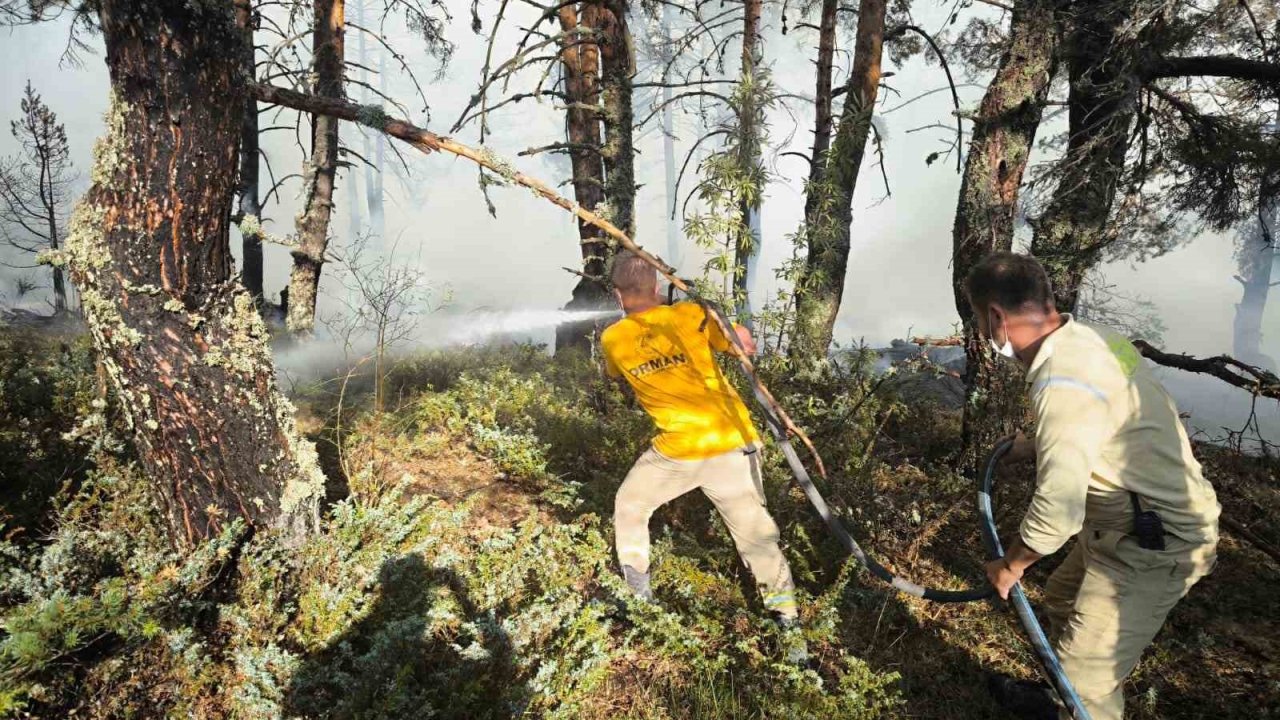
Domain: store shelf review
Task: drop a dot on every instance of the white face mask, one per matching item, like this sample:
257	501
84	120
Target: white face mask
1005	350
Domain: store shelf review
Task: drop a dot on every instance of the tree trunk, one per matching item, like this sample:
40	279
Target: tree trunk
617	67
1256	257
377	176
49	198
669	149
1003	135
747	247
1071	233
150	249
328	43
250	204
580	61
354	199
822	98
829	201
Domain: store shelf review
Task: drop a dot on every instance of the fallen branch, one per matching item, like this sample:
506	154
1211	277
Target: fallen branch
1249	536
1224	367
429	142
953	341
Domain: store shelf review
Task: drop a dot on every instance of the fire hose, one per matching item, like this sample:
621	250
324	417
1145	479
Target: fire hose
990	535
779	423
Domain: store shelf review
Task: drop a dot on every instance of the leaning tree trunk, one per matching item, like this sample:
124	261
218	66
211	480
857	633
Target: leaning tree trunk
328	43
580	63
747	247
829	202
1101	103
1003	134
150	249
250	203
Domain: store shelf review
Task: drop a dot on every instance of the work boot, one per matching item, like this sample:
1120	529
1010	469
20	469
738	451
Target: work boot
791	640
1022	698
638	582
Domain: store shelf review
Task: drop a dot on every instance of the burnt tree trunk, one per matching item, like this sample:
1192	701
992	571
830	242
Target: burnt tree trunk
580	63
1003	134
750	117
1102	102
328	43
150	249
829	201
250	203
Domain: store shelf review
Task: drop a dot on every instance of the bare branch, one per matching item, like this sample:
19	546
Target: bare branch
1224	367
1213	66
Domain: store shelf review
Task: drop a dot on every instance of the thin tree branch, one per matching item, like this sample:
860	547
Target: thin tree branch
1224	367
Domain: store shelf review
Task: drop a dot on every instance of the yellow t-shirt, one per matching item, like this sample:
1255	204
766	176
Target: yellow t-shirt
665	354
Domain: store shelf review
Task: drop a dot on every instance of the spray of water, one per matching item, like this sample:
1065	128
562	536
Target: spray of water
326	355
478	327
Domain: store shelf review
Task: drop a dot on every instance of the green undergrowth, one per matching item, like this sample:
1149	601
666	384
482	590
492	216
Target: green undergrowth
48	392
404	606
465	569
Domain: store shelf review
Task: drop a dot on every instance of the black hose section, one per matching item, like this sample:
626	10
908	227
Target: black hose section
1044	651
819	503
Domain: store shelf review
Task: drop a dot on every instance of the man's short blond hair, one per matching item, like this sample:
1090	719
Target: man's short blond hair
632	275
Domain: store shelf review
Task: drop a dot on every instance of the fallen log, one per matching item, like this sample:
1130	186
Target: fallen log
953	341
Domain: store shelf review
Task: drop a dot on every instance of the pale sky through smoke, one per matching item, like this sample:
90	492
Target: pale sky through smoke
899	278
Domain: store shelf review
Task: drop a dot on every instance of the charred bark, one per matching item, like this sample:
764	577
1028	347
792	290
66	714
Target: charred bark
328	38
150	249
580	62
829	201
1003	134
1072	232
250	202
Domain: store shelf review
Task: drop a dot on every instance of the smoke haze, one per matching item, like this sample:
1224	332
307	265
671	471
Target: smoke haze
515	260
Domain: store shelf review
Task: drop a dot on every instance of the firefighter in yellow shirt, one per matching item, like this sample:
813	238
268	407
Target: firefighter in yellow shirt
1114	470
705	440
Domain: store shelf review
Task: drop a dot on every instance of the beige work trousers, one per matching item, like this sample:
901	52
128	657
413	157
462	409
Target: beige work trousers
733	483
1107	601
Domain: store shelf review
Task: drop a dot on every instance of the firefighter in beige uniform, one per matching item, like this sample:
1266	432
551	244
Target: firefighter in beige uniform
1114	470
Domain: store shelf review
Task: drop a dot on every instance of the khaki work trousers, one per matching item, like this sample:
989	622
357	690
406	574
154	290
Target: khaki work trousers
1107	601
733	484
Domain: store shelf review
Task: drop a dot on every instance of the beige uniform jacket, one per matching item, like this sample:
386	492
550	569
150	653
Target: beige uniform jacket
1105	427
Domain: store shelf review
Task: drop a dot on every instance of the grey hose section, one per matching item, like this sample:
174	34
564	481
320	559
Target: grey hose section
990	535
1044	651
836	527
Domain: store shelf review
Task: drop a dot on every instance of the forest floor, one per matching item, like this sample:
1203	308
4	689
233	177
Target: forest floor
466	570
1219	655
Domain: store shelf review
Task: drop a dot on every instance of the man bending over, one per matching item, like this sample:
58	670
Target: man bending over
1114	470
705	440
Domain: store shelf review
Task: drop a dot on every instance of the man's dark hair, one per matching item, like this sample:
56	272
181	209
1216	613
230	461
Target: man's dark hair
1010	280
